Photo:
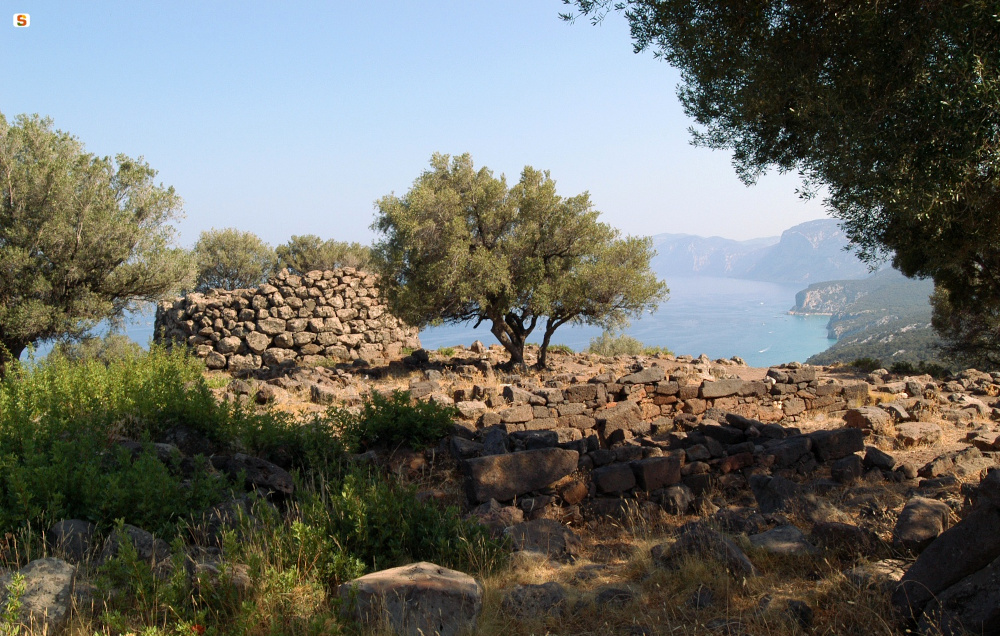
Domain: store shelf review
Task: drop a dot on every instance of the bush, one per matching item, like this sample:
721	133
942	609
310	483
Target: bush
231	259
867	364
303	254
390	422
114	346
610	345
921	368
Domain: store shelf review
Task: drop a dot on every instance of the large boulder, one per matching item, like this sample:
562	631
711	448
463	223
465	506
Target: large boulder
971	606
71	538
836	444
915	433
547	537
503	477
870	418
46	597
147	547
697	539
919	523
417	599
258	473
959	552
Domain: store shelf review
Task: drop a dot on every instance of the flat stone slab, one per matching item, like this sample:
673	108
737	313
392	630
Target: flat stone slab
503	477
915	433
416	599
783	540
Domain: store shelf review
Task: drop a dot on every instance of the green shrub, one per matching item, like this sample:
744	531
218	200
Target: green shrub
392	421
446	352
920	368
867	364
561	348
607	344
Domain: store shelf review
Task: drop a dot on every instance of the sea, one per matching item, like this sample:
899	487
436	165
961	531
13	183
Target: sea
720	317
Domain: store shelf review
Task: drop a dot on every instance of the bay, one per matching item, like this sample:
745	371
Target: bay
720	317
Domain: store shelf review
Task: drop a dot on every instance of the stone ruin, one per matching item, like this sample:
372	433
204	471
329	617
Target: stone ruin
334	314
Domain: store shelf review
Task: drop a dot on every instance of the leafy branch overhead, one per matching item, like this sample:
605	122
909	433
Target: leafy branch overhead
893	108
463	246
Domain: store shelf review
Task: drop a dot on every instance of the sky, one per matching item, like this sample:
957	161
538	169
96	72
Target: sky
294	117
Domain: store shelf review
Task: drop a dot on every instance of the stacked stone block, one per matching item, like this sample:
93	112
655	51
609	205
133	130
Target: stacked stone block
333	314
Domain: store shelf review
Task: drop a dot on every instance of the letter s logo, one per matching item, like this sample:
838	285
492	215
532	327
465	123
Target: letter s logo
22	19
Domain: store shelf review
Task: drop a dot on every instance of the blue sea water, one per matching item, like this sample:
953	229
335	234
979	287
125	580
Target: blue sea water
720	317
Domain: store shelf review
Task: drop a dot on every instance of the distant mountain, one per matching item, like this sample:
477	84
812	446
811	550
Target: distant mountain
809	252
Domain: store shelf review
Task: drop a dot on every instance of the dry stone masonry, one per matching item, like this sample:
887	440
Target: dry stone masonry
331	314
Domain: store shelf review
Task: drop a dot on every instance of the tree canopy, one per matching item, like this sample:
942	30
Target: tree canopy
232	259
82	238
461	245
893	107
309	252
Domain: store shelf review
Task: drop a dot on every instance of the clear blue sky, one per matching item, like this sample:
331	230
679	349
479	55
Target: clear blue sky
292	117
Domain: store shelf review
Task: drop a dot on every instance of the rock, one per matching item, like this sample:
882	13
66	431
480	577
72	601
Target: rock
958	552
784	540
720	388
649	375
71	538
614	478
533	601
46	599
497	517
788	452
914	433
971	606
774	493
837	443
676	499
698	539
919	523
614	596
547	537
517	414
957	462
416	599
800	613
869	418
496	441
147	547
885	574
259	474
503	477
838	535
626	416
462	448
847	469
657	472
875	458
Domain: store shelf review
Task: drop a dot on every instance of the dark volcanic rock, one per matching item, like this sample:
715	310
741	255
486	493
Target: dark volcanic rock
503	477
546	536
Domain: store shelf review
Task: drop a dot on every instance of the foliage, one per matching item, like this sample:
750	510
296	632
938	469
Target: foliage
447	352
867	364
112	346
306	253
82	238
232	259
971	336
392	421
561	348
895	110
461	245
921	368
608	344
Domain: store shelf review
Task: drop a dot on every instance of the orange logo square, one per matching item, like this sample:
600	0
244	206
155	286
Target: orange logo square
22	19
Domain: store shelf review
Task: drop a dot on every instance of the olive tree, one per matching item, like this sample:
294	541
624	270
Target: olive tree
309	252
232	259
893	107
462	246
82	238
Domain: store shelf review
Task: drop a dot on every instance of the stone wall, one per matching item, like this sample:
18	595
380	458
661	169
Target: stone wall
307	319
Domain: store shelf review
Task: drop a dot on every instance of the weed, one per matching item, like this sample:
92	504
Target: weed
607	344
392	421
446	352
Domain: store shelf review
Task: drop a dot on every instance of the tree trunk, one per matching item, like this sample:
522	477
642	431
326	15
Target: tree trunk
10	353
512	334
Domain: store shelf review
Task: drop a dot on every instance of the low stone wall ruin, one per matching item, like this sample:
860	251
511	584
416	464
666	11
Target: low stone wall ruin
307	319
